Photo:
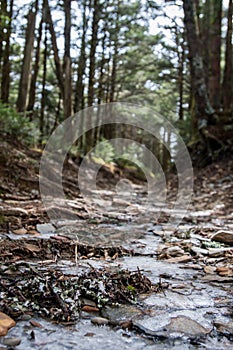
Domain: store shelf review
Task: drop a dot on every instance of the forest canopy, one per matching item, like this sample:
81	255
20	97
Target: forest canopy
59	57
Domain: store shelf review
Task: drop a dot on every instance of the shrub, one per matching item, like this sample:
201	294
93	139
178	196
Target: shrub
16	125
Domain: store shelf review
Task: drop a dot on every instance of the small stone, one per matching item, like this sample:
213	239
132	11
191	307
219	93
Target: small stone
225	328
89	308
11	341
99	321
128	324
180	259
209	269
223	237
199	251
35	324
88	302
224	271
120	202
175	251
21	231
45	228
5	323
25	317
217	252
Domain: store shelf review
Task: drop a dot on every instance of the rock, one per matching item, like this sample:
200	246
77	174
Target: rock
21	231
225	328
45	228
89	308
174	324
25	317
88	302
216	278
200	251
126	324
35	324
14	341
184	324
34	233
99	321
223	237
14	212
209	269
122	313
175	251
120	202
5	323
224	271
180	259
216	252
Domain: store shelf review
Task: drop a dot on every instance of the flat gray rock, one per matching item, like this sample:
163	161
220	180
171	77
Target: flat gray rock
185	325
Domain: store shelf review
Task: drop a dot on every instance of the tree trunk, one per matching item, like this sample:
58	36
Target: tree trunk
94	42
5	84
227	85
115	55
25	72
79	93
43	94
32	93
215	54
59	72
204	31
204	110
3	12
67	61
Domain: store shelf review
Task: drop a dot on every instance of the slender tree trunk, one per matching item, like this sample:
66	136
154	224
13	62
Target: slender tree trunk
181	60
67	61
25	72
227	90
215	54
92	67
94	42
3	12
101	72
205	38
32	93
115	55
5	84
43	97
58	66
79	93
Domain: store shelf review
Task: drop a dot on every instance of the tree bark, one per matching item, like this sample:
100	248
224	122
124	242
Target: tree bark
94	42
115	56
204	110
58	66
5	84
215	54
67	61
79	91
32	93
25	72
227	92
43	93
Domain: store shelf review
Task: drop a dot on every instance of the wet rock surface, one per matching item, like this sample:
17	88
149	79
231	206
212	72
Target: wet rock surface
111	281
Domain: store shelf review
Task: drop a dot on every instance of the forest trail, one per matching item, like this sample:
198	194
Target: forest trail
173	285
